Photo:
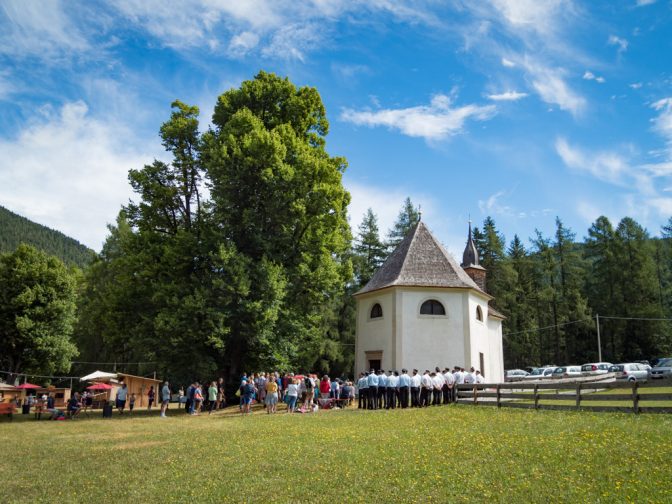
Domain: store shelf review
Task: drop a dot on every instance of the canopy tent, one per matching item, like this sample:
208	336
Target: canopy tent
28	386
100	386
98	375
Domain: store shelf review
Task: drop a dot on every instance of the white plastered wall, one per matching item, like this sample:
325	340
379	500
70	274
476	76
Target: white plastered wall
374	334
428	341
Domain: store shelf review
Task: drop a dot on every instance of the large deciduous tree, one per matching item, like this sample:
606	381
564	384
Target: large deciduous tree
37	312
252	276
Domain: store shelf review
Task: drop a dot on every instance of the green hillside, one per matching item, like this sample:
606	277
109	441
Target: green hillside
15	229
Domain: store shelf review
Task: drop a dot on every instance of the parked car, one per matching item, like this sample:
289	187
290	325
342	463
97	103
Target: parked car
631	371
663	369
595	368
535	374
567	372
513	375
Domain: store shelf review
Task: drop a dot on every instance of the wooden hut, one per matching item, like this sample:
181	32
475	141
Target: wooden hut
61	395
139	385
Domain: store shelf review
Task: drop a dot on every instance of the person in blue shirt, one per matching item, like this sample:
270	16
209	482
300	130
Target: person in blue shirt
362	390
372	381
382	390
404	385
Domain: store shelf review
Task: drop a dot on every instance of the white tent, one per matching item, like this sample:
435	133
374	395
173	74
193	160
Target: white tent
98	375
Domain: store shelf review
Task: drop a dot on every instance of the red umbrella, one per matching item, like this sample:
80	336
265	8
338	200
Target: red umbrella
28	386
100	386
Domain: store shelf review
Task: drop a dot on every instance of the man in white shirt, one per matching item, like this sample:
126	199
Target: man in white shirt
448	386
416	383
438	381
468	378
427	387
478	378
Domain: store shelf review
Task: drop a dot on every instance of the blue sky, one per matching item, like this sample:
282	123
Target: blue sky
519	109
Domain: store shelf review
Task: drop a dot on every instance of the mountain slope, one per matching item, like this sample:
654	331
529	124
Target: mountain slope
15	229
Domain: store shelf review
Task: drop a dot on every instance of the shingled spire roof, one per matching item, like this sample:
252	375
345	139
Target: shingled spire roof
420	261
470	256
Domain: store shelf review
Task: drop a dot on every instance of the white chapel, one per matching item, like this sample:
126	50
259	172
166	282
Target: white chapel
421	310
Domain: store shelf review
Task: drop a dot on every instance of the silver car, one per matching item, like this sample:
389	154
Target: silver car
630	371
515	375
540	373
595	368
663	369
567	372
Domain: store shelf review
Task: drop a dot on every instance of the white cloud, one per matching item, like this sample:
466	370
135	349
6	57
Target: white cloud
507	96
277	28
618	41
69	172
552	88
533	15
493	205
663	123
293	41
642	181
435	121
635	85
349	72
508	63
37	29
606	166
386	202
642	3
243	43
591	76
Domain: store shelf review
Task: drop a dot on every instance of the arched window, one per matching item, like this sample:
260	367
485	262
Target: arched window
479	313
376	311
432	307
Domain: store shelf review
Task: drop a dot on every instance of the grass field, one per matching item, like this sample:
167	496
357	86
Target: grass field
439	454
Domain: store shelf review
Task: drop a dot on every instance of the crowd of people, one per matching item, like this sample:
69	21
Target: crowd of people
303	393
381	390
375	389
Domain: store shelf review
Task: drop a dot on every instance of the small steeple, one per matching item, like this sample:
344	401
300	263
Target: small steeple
470	256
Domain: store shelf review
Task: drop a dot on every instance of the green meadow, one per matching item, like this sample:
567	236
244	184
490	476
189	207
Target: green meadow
438	454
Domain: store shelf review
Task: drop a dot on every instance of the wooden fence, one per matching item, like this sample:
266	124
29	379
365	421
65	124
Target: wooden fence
640	397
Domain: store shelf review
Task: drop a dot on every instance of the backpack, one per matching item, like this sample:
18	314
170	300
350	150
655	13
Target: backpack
308	382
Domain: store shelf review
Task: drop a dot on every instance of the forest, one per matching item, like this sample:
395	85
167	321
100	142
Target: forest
238	255
15	229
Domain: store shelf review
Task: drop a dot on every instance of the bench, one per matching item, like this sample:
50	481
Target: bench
7	409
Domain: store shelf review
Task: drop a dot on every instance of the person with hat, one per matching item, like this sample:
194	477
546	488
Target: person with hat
372	381
404	386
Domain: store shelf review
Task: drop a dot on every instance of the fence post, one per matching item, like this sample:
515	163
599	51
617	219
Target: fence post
499	396
536	396
635	397
578	396
475	389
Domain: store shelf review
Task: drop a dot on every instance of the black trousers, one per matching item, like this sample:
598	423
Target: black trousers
363	393
391	398
382	397
403	397
373	398
446	394
437	397
425	395
415	397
